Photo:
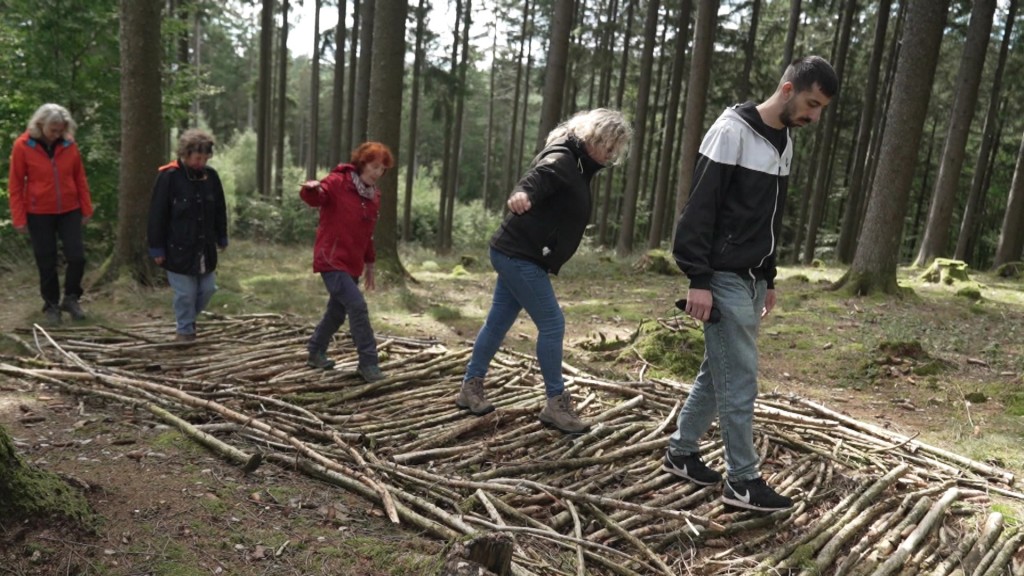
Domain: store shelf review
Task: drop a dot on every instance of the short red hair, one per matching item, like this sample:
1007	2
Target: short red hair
370	152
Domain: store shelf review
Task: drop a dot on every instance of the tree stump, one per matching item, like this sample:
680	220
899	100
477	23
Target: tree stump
487	555
946	271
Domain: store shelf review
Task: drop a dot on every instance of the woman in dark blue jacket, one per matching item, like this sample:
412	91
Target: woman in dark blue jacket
188	223
549	209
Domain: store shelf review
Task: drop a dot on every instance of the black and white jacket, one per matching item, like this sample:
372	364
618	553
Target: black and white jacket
733	217
558	184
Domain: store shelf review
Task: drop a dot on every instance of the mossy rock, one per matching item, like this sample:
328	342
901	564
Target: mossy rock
947	271
1011	270
910	349
429	266
658	262
459	271
970	292
678	352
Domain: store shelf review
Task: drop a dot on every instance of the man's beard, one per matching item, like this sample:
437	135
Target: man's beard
787	118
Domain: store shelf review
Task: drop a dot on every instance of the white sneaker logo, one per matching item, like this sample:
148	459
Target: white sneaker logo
745	498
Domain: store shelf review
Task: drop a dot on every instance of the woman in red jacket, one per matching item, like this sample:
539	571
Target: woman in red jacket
49	199
349	203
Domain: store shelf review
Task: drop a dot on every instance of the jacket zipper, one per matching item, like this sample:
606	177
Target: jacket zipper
778	174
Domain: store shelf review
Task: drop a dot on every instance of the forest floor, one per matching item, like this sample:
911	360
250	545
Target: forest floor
930	364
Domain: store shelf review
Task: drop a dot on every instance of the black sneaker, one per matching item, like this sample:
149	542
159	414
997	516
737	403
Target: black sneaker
690	467
371	373
72	307
52	315
754	495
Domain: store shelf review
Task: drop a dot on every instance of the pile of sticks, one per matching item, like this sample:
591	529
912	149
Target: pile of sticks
869	502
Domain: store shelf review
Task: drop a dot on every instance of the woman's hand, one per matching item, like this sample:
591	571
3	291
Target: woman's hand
311	184
21	229
519	203
159	260
370	283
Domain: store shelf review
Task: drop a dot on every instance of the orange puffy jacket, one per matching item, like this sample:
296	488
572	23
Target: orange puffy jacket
43	185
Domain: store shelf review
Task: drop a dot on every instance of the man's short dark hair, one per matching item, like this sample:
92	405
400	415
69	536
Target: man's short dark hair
806	71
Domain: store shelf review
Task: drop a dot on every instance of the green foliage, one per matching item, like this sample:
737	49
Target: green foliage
471	224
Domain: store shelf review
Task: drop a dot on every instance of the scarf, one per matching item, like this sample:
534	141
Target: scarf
364	190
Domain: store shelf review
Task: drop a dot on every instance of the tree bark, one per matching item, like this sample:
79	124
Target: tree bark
334	149
360	116
749	52
28	492
972	62
877	256
314	97
348	130
665	165
141	140
969	223
620	90
696	97
385	125
448	162
263	161
555	72
510	167
283	59
1011	238
414	115
460	108
791	31
851	216
624	246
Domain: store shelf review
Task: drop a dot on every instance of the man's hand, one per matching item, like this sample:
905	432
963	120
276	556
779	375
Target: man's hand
519	203
769	302
370	283
698	304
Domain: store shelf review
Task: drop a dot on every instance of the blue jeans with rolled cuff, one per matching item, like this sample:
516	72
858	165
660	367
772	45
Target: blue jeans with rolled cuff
192	292
522	285
345	299
726	385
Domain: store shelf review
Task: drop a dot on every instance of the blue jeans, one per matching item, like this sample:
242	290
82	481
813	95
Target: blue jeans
191	295
522	284
726	385
345	299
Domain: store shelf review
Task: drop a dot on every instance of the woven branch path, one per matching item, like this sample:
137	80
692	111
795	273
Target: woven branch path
869	502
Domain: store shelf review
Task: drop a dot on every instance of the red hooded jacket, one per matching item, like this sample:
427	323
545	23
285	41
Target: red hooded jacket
344	237
43	185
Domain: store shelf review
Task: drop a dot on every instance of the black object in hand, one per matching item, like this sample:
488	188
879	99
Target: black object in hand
716	314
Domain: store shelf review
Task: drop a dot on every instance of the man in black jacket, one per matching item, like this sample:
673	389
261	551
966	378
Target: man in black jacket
725	243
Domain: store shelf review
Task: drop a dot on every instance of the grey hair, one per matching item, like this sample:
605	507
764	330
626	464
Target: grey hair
598	127
51	114
195	140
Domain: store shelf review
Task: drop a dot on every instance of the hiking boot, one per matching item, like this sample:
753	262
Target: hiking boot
560	413
754	495
185	337
319	360
70	305
370	373
52	315
690	467
471	397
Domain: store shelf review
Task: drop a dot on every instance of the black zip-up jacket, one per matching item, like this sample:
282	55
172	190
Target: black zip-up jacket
187	219
558	184
733	217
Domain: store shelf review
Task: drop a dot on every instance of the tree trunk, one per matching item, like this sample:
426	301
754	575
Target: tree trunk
448	162
972	62
510	167
263	162
460	107
283	60
876	259
334	149
851	216
385	125
749	52
1011	238
624	246
488	160
314	96
609	175
366	71
141	137
968	225
348	130
794	27
414	114
668	140
27	492
696	97
555	72
827	134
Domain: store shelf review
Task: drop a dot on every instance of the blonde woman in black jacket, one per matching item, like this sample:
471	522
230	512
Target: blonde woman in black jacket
549	209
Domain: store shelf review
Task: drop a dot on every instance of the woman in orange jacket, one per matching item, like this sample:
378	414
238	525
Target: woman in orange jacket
49	199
